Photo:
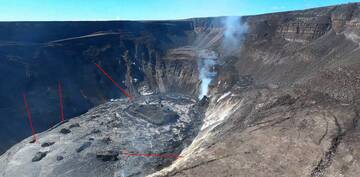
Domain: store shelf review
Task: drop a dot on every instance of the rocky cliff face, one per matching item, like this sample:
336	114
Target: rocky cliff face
253	127
284	101
36	55
299	48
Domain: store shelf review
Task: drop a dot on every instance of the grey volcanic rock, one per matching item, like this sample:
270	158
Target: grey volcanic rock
47	144
74	125
38	156
155	114
261	133
83	146
58	158
107	156
120	131
65	131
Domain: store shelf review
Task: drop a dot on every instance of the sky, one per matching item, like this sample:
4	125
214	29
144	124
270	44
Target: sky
74	10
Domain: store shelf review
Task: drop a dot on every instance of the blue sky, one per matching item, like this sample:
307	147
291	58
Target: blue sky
49	10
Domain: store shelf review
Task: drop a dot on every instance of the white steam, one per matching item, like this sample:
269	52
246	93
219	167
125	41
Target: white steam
233	35
206	65
234	30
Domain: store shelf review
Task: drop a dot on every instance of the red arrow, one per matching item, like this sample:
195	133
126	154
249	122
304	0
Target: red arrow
61	102
29	117
112	80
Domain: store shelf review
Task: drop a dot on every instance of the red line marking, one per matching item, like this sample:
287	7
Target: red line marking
61	102
154	155
29	117
112	80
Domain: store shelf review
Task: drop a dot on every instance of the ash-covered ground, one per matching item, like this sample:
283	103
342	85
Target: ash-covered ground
99	142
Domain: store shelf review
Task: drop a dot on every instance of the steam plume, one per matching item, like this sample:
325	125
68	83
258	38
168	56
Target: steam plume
206	65
234	30
233	35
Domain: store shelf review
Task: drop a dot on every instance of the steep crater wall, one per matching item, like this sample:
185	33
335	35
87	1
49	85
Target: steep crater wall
35	56
289	49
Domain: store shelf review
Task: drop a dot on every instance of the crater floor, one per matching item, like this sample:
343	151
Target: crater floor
118	138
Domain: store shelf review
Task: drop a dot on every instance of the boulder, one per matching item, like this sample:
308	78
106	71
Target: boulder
59	158
47	144
74	125
107	155
65	131
38	156
83	146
